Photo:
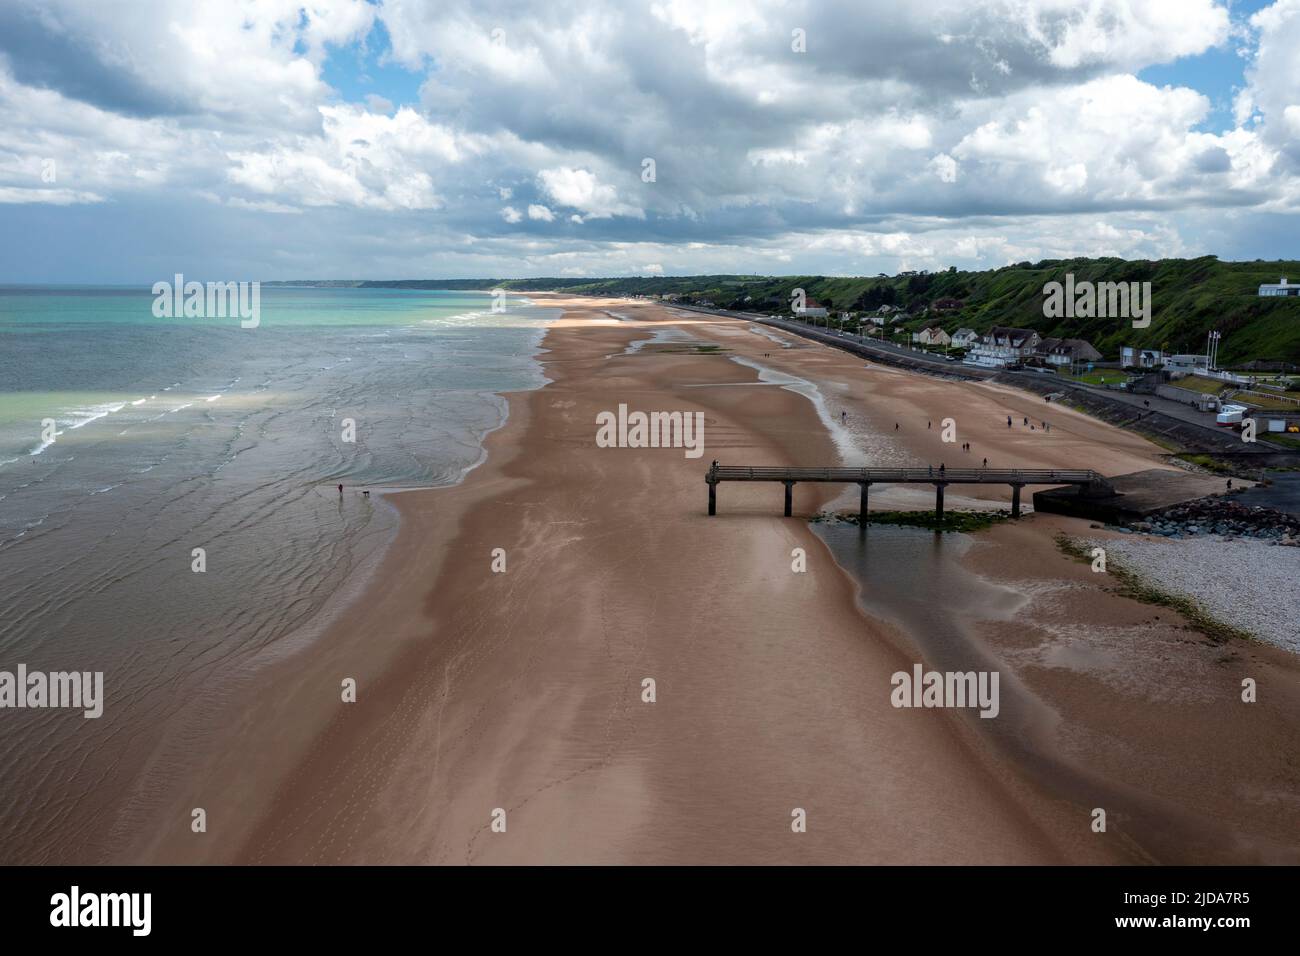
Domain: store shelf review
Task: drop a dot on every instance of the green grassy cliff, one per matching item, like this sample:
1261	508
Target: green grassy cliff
1190	297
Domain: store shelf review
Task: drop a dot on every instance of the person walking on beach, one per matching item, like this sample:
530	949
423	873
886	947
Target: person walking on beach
1008	421
895	426
986	462
929	424
340	490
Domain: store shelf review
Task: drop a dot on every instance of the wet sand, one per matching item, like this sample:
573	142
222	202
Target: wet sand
522	691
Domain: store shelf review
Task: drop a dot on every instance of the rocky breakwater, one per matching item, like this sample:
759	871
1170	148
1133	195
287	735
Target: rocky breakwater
1223	517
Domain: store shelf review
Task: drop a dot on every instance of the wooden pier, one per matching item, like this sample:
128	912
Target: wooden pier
1089	482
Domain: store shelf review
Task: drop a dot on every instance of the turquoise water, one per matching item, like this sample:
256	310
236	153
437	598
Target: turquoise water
127	441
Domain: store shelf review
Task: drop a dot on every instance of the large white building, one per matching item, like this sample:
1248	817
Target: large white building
1279	288
1002	346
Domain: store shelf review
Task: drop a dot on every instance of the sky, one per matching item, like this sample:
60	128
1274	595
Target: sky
273	139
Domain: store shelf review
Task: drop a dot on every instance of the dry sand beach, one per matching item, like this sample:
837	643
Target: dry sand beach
523	690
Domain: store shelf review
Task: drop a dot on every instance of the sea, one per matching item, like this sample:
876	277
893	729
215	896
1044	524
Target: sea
169	501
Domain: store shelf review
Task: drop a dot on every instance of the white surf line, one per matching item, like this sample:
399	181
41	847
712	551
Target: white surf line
731	385
92	414
769	334
96	413
851	454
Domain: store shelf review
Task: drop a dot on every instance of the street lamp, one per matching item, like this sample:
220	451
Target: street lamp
1212	350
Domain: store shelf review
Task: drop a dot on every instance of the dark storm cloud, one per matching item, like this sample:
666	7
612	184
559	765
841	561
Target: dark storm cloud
41	52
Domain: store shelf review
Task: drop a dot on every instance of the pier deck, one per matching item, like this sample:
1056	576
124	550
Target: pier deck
1088	481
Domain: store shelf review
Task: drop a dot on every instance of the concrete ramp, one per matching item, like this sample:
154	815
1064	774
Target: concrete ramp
1135	496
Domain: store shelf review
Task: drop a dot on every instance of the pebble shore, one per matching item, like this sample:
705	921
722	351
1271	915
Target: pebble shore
1247	582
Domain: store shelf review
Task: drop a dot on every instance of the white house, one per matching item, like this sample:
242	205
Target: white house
1279	288
885	315
1066	351
964	338
932	335
1129	357
1003	346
